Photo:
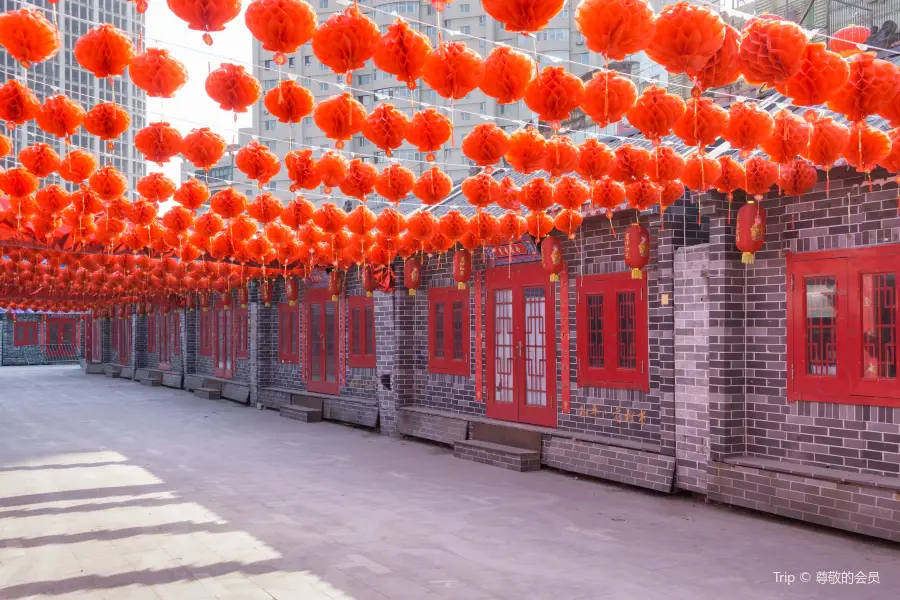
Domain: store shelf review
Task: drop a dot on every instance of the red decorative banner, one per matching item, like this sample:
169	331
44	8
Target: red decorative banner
479	397
564	337
303	350
342	363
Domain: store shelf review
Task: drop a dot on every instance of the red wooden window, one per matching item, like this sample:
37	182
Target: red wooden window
289	333
151	332
206	321
176	327
448	331
25	334
842	326
242	333
362	332
611	332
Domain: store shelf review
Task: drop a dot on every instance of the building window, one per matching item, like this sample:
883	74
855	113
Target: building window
612	332
448	331
242	333
289	333
291	61
307	120
464	8
466	116
271	124
269	84
482	20
151	332
842	327
467	29
362	332
206	320
307	60
267	64
25	334
323	3
323	86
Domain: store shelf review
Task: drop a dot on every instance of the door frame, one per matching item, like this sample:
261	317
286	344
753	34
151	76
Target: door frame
517	278
164	340
321	296
228	341
59	342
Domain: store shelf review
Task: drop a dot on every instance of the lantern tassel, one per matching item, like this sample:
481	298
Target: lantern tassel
637	274
748	258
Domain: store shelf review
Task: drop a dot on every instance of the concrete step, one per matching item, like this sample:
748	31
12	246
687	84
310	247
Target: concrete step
207	393
113	374
93	368
151	382
301	413
489	453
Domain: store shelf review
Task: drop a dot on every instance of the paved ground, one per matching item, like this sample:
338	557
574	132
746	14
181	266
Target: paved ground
111	490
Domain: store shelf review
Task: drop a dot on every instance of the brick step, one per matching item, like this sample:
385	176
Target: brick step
207	393
301	413
93	368
113	374
151	382
489	453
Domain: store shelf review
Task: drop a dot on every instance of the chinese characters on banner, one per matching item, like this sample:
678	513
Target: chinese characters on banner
617	415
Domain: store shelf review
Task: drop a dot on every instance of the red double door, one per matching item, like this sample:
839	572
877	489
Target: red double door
322	346
223	341
59	338
520	334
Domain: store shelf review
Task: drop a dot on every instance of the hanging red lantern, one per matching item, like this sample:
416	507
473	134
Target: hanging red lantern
608	96
761	176
332	169
669	193
702	123
228	203
60	116
360	179
665	164
632	163
480	190
700	173
18	104
233	88
568	222
486	144
28	36
751	231
77	165
526	150
655	113
507	73
107	120
281	25
523	16
192	194
390	222
265	292
39	159
724	67
18	182
821	73
369	283
105	51
637	249
243	296
432	186
554	94
453	225
872	83
402	51
395	183
891	110
462	268
297	213
157	73
335	284
827	141
552	257
560	156
428	131
846	41
291	290
108	182
386	127
733	178
206	16
156	187
301	169
790	137
346	41
570	193
615	28
158	142
686	37
453	70
289	101
265	208
412	275
797	177
203	148
257	162
642	194
771	49
512	226
867	147
748	126
537	194
340	117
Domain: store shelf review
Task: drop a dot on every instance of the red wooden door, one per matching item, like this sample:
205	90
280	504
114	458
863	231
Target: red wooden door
322	342
164	341
96	349
125	341
521	345
223	342
59	337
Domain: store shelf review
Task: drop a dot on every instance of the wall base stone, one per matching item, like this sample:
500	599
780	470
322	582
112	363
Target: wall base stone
431	425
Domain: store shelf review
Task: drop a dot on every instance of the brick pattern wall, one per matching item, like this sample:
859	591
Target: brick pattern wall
12	355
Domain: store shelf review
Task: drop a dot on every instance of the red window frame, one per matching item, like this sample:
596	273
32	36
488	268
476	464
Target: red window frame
206	322
361	332
242	333
834	349
176	327
604	304
25	333
446	327
151	332
289	333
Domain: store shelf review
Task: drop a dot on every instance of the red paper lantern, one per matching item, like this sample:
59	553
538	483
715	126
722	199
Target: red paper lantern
462	268
291	290
18	104
340	117
432	186
608	96
511	228
872	83
700	173
486	144
157	73
369	284
568	222
826	141
18	182
655	113
554	94
552	257
105	51
40	159
772	49
891	110
789	138
233	88
615	28
77	165
539	224
480	190
335	284
108	182
687	36
297	213
360	179
637	249
733	178
156	187
453	225
386	127
748	126
507	73
203	148
192	194
666	164
523	16
228	203
289	101
412	275
632	163
560	156
724	67
332	169
595	159
867	147
265	292
526	150
28	36
60	116
847	39
107	120
669	193
453	70
390	222
257	162
537	194
361	220
821	73
428	131
761	176
702	123
346	41
265	208
797	177
642	194
751	231
301	169
158	142
281	25
570	193
402	51
206	15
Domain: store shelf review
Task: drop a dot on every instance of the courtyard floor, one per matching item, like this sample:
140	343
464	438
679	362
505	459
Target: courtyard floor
112	490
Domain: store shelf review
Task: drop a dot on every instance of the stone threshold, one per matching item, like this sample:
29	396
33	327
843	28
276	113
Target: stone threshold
881	482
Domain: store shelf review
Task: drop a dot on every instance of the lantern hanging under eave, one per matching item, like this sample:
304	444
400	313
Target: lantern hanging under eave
369	282
243	296
412	275
227	299
551	257
462	268
637	249
335	283
265	292
291	290
751	231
